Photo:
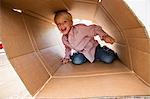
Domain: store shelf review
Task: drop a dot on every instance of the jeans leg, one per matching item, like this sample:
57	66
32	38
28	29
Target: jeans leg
78	58
104	55
97	52
106	58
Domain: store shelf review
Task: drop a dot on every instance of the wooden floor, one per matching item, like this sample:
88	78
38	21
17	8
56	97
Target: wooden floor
10	84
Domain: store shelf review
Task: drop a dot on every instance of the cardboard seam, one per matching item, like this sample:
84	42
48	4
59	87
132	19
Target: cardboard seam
133	28
57	68
146	83
92	75
137	74
130	57
96	10
55	63
66	6
34	46
20	55
42	87
38	16
137	37
48	47
140	50
87	2
145	31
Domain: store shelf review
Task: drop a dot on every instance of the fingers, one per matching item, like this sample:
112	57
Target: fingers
109	39
64	61
112	41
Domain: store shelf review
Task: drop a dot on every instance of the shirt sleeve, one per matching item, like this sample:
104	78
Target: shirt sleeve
67	47
97	30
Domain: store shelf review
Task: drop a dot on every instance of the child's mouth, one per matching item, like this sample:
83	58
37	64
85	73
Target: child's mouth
63	30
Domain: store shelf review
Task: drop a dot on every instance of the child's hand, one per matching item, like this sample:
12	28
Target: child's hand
109	39
64	61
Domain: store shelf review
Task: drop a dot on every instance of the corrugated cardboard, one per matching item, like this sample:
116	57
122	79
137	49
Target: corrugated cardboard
34	48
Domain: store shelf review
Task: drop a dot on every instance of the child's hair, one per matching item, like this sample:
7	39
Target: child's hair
63	13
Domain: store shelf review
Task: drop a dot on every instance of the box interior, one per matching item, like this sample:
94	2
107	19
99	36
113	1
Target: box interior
34	47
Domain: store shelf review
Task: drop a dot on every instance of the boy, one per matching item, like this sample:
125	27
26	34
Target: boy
80	37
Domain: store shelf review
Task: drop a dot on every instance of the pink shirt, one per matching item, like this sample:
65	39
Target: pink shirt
81	39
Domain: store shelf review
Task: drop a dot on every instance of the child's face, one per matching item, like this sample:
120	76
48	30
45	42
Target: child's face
64	25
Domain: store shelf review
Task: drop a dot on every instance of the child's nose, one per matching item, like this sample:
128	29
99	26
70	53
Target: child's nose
62	26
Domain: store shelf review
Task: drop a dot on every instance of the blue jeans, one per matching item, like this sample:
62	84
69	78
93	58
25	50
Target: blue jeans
103	54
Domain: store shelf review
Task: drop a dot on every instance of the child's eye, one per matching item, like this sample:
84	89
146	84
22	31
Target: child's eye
58	24
65	21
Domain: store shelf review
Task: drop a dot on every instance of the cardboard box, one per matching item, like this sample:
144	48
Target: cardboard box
34	48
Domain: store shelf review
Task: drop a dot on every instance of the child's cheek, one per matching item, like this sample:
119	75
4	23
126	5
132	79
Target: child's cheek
59	28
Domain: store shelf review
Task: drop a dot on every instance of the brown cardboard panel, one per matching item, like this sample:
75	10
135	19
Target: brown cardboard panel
124	84
115	80
141	63
14	34
90	69
123	53
67	4
103	20
52	56
43	32
81	10
121	13
141	44
135	33
44	8
31	71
